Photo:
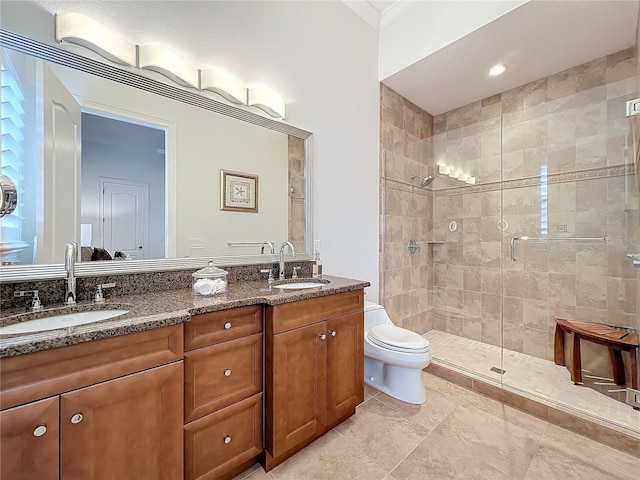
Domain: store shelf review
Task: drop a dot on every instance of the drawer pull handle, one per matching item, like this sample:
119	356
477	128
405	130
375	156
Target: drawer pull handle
77	418
227	325
40	430
323	336
227	372
332	333
227	439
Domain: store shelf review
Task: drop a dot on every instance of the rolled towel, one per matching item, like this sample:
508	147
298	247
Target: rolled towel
204	286
219	285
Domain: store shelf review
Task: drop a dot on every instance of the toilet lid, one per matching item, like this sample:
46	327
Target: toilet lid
398	339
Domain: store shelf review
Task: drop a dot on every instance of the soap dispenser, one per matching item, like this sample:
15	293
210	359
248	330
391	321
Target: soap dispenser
317	266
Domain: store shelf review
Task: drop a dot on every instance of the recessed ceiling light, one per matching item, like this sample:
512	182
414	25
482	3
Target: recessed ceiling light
497	69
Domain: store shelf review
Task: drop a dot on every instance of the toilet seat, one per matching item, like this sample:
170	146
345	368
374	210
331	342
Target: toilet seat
398	339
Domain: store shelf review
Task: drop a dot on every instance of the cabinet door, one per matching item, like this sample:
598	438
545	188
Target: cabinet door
127	428
345	365
29	441
296	407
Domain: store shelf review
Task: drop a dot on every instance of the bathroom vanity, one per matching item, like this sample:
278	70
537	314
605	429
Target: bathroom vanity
174	388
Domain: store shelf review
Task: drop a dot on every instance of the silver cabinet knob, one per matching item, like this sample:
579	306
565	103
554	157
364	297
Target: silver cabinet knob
227	372
227	325
227	439
323	336
39	431
332	333
77	418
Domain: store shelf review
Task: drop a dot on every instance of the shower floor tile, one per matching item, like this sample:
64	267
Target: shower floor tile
536	376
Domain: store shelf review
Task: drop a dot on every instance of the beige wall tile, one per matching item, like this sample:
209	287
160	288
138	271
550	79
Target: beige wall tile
591	292
512	310
562	288
535	314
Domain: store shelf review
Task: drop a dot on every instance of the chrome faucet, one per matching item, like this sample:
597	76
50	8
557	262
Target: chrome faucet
293	254
70	255
269	244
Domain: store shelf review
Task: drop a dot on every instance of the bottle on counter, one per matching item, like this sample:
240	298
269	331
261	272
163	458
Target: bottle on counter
317	266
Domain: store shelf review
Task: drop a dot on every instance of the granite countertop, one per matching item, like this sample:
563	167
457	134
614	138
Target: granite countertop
155	310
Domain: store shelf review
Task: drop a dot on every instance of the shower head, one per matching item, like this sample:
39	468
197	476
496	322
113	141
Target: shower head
424	181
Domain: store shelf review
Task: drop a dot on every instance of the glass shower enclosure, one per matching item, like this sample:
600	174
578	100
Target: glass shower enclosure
530	217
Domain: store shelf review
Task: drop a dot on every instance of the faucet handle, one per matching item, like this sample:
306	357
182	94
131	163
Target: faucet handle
99	297
295	272
36	304
270	272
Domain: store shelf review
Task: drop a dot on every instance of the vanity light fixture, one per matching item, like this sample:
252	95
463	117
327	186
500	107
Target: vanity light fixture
84	31
224	84
443	170
266	100
497	69
164	61
456	174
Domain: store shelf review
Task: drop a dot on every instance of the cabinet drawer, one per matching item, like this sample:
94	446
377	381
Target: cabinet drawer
288	316
209	328
221	441
32	376
219	375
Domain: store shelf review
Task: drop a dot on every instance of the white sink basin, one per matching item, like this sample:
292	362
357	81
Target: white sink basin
299	285
60	321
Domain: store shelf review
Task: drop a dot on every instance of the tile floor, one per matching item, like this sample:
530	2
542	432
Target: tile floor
457	434
541	378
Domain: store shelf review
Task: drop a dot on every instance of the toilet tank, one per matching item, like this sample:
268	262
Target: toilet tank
375	315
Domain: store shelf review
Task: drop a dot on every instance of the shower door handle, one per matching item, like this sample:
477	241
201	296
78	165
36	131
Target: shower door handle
635	257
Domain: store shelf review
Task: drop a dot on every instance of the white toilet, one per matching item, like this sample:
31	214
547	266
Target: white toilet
393	357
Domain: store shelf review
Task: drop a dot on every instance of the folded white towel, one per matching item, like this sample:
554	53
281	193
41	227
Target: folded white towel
219	285
204	286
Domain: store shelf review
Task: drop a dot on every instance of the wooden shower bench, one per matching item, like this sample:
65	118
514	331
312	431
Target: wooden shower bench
615	340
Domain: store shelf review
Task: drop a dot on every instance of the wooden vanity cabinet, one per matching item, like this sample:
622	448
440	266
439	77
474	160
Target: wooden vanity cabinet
98	426
314	370
29	445
223	392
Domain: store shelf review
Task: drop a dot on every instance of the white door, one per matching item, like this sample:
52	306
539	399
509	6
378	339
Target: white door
60	198
124	206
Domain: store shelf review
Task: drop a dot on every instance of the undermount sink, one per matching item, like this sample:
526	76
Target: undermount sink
60	321
300	285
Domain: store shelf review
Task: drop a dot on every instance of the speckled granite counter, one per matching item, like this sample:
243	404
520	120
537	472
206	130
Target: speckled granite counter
155	310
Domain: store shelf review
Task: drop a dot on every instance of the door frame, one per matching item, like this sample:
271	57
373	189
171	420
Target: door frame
170	158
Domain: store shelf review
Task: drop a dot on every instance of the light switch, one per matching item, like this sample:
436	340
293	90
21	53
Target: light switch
197	243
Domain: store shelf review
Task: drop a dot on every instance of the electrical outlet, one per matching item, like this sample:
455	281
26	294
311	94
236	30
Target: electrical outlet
197	243
633	397
561	227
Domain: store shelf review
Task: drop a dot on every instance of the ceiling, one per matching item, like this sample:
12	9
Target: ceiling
535	40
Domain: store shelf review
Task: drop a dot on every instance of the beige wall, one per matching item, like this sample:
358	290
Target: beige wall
573	123
406	212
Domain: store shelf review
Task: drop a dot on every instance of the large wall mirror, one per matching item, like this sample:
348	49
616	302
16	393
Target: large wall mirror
115	160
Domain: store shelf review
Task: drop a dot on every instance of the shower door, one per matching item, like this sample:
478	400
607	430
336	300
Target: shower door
570	216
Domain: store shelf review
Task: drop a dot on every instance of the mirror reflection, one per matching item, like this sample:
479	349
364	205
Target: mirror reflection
119	169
